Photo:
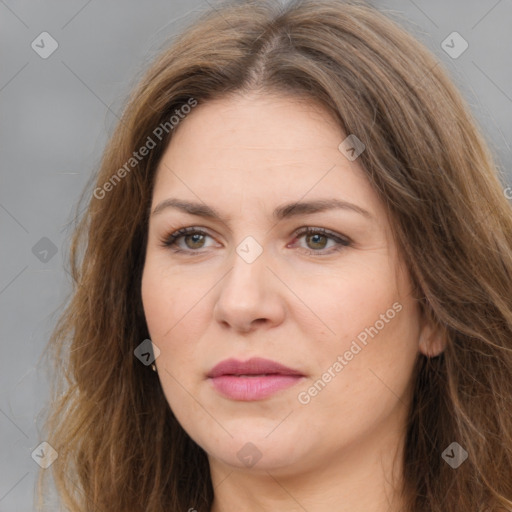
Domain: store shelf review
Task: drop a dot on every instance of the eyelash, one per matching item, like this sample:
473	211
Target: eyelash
170	240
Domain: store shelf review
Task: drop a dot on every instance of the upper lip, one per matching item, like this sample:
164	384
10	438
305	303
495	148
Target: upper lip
253	366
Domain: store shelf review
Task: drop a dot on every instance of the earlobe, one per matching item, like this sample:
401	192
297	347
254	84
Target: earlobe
432	341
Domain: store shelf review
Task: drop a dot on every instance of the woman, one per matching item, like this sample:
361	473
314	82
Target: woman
299	224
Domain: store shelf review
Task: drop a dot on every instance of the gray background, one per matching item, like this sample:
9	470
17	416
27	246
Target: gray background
56	114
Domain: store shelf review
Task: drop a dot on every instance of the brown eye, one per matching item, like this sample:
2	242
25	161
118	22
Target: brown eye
318	238
318	241
196	240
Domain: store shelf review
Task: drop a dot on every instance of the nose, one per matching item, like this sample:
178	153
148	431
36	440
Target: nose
249	296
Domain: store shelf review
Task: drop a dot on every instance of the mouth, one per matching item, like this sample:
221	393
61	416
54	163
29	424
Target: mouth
251	380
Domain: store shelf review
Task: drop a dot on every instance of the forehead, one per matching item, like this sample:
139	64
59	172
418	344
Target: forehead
259	152
260	123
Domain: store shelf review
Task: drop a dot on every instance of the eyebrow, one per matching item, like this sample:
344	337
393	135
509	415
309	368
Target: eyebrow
281	212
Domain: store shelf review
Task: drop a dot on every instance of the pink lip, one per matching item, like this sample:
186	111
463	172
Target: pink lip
261	378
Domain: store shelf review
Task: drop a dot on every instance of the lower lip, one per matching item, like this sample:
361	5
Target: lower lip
252	388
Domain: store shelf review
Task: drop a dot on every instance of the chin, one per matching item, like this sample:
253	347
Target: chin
251	450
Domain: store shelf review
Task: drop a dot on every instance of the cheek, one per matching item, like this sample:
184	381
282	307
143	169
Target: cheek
376	326
166	297
175	316
156	300
374	352
364	383
353	299
168	312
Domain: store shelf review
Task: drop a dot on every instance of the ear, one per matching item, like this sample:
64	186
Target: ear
432	340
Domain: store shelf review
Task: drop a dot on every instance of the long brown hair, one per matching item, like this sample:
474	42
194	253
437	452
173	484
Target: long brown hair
119	446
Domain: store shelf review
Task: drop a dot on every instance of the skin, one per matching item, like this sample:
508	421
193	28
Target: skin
244	156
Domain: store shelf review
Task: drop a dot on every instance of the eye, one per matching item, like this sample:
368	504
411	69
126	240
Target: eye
193	238
319	238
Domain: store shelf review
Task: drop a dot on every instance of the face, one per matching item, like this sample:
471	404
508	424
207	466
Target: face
333	303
